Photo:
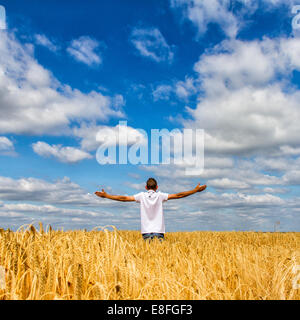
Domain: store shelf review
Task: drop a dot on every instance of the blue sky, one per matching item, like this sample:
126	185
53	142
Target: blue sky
70	70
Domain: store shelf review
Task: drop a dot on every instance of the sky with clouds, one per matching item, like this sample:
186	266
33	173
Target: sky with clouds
69	69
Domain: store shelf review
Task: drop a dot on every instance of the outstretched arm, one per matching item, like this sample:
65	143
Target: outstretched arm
103	194
186	193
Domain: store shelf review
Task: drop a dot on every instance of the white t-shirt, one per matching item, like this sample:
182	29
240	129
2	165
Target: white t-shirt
152	219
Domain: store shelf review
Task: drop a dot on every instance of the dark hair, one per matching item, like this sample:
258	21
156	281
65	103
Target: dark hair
151	184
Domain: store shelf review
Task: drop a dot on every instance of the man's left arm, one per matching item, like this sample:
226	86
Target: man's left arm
103	194
184	194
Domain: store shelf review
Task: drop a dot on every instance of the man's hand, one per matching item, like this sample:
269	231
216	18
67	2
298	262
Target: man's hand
101	194
200	188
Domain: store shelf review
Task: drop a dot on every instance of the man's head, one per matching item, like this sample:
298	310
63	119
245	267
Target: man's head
151	184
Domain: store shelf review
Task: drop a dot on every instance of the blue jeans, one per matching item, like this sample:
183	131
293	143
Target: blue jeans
153	235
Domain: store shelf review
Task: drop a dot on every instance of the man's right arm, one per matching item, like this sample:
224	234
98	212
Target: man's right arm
184	194
103	194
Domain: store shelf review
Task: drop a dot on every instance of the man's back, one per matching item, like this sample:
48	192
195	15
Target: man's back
152	219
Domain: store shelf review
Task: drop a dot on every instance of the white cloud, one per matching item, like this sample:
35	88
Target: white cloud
278	164
162	92
292	177
203	12
252	200
226	183
179	89
56	203
289	151
218	162
244	108
62	192
150	43
221	173
85	50
33	101
230	63
6	147
63	154
268	4
250	113
93	136
185	88
225	13
42	40
136	186
25	208
275	190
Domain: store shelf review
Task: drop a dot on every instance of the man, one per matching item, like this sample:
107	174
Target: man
152	219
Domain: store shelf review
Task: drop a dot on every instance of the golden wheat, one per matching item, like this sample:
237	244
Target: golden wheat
112	264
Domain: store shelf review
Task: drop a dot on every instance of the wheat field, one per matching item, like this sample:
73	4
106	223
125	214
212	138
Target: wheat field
110	264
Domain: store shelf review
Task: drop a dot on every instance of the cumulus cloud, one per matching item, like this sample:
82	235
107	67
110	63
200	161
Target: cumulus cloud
57	203
85	50
289	151
62	192
240	199
276	190
177	89
162	92
150	43
93	136
14	215
226	183
250	114
292	177
136	186
239	210
28	200
221	174
6	147
242	109
42	40
203	12
63	154
25	208
225	13
33	101
184	89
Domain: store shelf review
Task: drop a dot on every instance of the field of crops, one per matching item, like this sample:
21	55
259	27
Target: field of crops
111	264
